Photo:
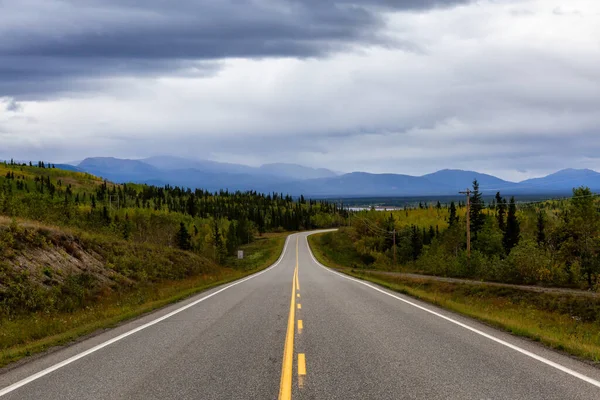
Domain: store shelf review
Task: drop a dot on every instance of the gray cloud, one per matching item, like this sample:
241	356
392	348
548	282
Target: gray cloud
504	87
49	46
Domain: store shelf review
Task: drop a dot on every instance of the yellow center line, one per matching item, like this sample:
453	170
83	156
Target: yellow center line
300	326
299	306
301	369
297	280
285	385
301	364
298	295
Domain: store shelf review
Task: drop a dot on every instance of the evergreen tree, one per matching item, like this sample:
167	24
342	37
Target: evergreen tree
244	231
501	211
453	218
127	228
476	215
541	228
106	215
583	224
232	239
390	226
416	242
183	238
219	246
513	229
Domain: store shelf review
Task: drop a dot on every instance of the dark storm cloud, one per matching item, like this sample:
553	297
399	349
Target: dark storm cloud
48	46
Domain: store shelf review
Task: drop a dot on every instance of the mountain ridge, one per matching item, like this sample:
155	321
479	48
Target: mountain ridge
296	179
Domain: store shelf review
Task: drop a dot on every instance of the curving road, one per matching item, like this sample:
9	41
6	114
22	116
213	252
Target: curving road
299	330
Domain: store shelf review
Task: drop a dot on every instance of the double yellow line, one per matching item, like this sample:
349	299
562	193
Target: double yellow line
285	386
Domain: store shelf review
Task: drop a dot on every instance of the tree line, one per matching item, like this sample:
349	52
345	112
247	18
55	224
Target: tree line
196	220
549	242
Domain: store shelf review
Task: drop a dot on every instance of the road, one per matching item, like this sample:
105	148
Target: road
299	330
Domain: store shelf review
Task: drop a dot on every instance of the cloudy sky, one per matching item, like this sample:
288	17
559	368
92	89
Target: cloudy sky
509	87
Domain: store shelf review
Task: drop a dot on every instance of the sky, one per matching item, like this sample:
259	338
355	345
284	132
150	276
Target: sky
507	87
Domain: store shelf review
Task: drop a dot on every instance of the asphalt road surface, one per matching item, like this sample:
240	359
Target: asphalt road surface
299	330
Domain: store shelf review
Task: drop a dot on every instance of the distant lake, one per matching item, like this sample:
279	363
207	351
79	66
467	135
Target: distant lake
377	208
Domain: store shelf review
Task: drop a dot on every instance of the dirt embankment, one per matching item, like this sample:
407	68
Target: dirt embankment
47	269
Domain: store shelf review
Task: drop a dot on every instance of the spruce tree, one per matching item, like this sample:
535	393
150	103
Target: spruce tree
476	214
501	208
431	233
513	229
416	242
390	227
220	250
183	238
232	240
541	228
453	219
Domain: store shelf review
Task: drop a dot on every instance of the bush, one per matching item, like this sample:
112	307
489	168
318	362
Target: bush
527	263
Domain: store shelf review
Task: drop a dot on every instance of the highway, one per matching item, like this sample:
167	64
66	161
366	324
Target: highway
299	330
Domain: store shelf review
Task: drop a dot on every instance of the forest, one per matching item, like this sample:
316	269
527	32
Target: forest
212	224
552	242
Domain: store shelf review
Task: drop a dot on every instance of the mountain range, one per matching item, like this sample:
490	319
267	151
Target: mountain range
319	182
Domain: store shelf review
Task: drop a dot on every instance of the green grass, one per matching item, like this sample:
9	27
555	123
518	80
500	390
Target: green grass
547	318
264	250
336	249
25	336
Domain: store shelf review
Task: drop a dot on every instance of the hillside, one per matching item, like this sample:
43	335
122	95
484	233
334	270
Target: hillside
457	180
564	180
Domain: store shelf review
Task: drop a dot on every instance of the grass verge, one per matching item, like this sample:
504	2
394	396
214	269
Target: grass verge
22	337
548	318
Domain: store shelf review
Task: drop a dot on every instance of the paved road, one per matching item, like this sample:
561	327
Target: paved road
358	341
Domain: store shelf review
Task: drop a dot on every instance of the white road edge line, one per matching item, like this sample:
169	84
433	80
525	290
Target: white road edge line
495	339
68	361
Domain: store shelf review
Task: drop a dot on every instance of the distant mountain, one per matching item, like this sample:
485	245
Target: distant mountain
563	181
118	170
358	184
317	182
67	167
170	163
457	180
175	171
214	181
295	171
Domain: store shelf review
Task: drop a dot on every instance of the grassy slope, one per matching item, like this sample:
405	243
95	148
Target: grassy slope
541	317
24	336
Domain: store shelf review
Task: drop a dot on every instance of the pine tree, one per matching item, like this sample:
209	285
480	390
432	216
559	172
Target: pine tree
513	229
219	246
232	240
416	242
127	228
453	219
501	208
476	215
183	238
390	227
541	228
